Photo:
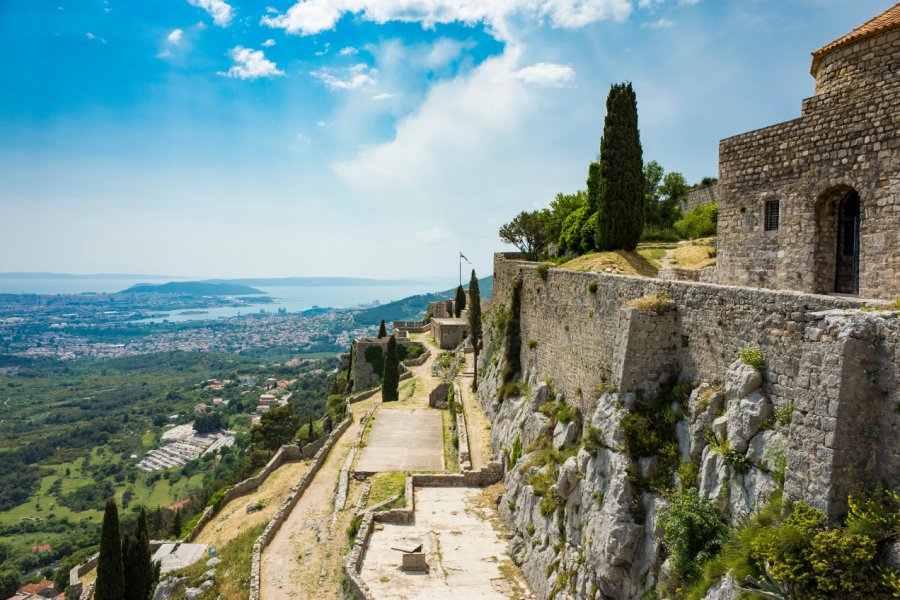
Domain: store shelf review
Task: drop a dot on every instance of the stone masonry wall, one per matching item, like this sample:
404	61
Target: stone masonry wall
699	195
819	358
846	139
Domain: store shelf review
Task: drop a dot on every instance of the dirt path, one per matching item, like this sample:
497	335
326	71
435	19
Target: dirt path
479	428
292	562
233	518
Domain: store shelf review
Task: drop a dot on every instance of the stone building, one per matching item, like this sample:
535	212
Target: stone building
813	204
449	333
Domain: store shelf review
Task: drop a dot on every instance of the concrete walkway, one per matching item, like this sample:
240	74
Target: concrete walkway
402	440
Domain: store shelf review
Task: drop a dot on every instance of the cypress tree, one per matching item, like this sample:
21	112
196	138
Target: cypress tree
382	331
475	324
176	525
110	568
513	338
620	209
459	304
390	381
136	558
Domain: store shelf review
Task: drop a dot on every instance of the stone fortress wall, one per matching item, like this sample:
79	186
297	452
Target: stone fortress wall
699	195
840	369
845	140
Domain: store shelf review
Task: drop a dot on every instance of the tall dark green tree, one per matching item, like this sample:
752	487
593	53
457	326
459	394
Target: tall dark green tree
459	304
620	196
512	365
175	526
390	381
136	558
474	315
382	331
110	567
276	427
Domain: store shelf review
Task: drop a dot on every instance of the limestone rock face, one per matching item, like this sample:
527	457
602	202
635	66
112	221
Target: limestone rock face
166	588
741	380
713	474
723	590
564	434
745	418
568	477
607	417
766	448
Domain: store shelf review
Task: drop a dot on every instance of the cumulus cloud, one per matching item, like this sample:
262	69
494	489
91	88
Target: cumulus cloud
268	43
430	236
383	96
90	36
348	51
660	24
175	36
250	64
546	74
219	10
351	78
308	17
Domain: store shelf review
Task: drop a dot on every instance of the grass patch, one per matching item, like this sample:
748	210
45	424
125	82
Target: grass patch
619	261
754	358
693	256
232	580
656	303
385	485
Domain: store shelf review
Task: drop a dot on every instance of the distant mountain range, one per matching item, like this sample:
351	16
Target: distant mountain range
39	275
413	308
316	281
194	288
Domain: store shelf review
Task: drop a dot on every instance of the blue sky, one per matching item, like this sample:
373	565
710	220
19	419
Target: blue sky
226	138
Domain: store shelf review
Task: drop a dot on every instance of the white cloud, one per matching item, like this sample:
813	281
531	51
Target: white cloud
660	24
307	17
546	74
383	96
175	36
90	36
351	78
268	43
250	64
219	10
348	51
688	2
165	54
430	236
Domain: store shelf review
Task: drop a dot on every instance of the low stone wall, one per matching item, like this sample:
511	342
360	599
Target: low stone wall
462	434
417	362
285	453
679	274
77	572
288	505
363	395
412	326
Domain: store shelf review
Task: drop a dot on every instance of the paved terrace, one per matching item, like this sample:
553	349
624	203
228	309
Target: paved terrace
465	551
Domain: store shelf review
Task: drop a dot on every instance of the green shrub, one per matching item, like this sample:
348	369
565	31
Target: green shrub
652	233
543	270
592	287
547	505
699	222
353	527
510	390
754	358
688	473
694	532
516	452
532	344
649	429
783	414
593	441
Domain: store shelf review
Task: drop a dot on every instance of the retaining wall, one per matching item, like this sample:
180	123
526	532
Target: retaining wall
588	341
289	503
284	454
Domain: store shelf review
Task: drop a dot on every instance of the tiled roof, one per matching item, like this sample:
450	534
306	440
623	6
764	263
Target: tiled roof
889	19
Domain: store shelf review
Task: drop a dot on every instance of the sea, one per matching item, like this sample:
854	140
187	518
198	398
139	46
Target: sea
292	299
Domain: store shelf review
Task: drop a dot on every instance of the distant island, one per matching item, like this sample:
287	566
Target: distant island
194	288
